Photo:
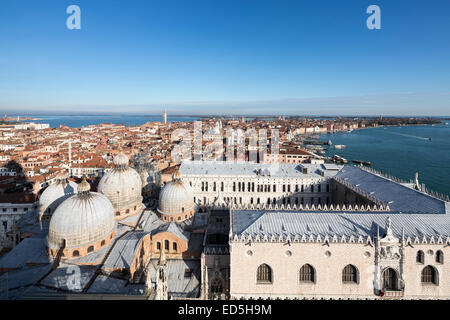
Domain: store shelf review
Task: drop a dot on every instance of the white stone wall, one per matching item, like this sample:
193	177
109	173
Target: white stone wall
285	270
208	187
10	212
413	270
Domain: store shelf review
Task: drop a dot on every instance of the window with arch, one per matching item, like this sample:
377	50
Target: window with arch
158	246
76	253
429	275
264	274
439	257
420	257
90	249
350	274
390	279
174	246
102	243
166	245
307	273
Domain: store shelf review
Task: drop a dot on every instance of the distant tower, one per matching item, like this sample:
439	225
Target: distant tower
165	117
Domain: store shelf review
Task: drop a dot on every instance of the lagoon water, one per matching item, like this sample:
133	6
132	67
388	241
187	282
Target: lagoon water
401	152
85	120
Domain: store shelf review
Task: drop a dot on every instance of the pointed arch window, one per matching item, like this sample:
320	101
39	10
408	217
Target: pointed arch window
390	279
350	274
429	275
264	274
307	273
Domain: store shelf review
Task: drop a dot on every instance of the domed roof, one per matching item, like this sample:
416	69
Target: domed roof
82	219
175	198
122	185
56	193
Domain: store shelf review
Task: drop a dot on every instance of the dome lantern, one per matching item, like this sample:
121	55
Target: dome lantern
84	187
121	161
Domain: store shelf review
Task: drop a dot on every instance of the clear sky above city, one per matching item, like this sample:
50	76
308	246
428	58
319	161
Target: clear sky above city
226	57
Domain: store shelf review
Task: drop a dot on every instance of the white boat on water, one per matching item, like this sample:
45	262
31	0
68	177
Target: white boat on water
339	146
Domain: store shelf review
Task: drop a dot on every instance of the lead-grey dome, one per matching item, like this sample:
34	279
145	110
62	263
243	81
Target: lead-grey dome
176	198
122	185
82	219
55	194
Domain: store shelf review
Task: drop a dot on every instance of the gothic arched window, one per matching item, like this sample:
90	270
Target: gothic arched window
390	279
439	257
429	275
307	273
264	274
350	274
420	257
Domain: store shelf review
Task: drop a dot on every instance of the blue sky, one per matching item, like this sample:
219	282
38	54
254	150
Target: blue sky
226	56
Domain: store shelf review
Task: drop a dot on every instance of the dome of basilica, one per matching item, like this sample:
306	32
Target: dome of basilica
55	194
176	200
84	222
123	187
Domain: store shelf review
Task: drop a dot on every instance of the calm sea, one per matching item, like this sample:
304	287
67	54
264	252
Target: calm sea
85	120
401	152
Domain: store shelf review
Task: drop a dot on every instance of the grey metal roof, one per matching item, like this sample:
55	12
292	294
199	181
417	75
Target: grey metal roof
230	168
94	257
299	223
150	221
29	250
25	292
62	277
27	276
399	197
125	250
173	228
105	284
178	284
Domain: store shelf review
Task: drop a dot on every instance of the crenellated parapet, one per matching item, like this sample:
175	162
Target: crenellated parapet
304	238
377	207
